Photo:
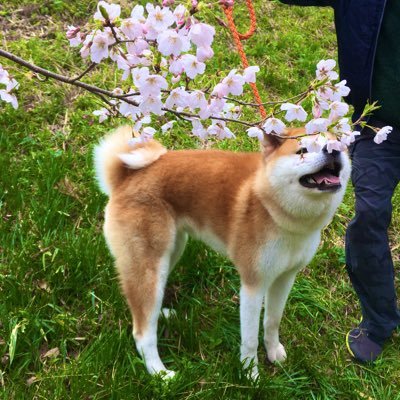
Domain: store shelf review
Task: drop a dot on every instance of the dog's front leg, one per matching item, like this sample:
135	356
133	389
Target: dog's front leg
250	308
275	300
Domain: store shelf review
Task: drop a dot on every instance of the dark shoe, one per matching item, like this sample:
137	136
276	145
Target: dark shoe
361	346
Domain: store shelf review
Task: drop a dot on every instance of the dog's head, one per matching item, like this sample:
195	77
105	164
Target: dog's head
305	184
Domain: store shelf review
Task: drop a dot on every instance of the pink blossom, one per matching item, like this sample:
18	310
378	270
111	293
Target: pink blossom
325	70
317	125
197	99
342	126
198	129
131	28
103	114
249	74
316	110
202	35
137	47
255	132
204	53
192	66
340	90
140	75
166	3
171	42
381	135
349	137
159	18
313	144
166	127
274	125
180	14
99	48
220	130
137	14
334	144
176	67
177	97
152	85
151	104
294	112
220	90
234	82
113	11
74	36
338	109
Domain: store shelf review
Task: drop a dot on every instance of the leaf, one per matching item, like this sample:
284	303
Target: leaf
52	353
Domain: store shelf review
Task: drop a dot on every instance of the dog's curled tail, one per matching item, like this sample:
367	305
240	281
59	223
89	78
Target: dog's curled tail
113	154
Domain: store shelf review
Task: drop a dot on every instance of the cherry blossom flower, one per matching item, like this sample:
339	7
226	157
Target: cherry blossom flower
113	11
151	104
381	135
137	47
202	35
180	13
255	132
325	70
151	85
11	84
342	126
313	144
338	109
137	14
192	66
171	42
103	114
204	53
197	99
294	112
317	125
340	90
234	83
74	36
99	48
132	28
159	18
178	97
220	130
249	74
166	127
334	144
274	125
349	137
198	129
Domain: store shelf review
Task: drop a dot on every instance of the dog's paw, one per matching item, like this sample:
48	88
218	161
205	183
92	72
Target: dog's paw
168	313
276	353
167	375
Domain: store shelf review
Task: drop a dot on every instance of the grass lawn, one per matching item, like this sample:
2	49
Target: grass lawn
65	330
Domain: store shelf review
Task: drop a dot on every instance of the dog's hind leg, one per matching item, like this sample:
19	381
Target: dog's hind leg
142	243
275	300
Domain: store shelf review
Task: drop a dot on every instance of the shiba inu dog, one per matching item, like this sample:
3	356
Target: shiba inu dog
265	211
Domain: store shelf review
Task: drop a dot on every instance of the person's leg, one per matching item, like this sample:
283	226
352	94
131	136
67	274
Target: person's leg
376	170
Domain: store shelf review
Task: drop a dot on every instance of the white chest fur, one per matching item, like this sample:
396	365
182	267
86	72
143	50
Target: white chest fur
287	252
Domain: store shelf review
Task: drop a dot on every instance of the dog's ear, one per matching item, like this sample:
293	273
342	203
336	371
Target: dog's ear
270	143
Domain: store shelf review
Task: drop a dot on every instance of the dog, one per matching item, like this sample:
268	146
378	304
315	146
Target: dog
265	211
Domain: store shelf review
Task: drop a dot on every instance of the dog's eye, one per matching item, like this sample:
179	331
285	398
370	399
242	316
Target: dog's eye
303	150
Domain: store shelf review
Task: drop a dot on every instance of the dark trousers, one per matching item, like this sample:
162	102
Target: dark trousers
375	175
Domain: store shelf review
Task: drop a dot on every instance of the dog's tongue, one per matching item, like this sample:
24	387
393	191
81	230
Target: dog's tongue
327	178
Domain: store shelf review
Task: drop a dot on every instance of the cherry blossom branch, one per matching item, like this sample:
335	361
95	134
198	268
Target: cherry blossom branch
102	92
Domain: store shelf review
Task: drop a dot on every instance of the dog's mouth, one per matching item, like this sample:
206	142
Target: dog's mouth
326	179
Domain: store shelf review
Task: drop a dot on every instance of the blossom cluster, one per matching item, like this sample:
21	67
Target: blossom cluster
11	85
160	53
329	124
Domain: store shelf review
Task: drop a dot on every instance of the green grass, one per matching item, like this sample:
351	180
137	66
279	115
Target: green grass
58	287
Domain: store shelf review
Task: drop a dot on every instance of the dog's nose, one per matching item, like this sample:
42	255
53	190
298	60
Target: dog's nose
334	153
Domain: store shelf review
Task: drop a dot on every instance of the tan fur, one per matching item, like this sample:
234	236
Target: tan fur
222	197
